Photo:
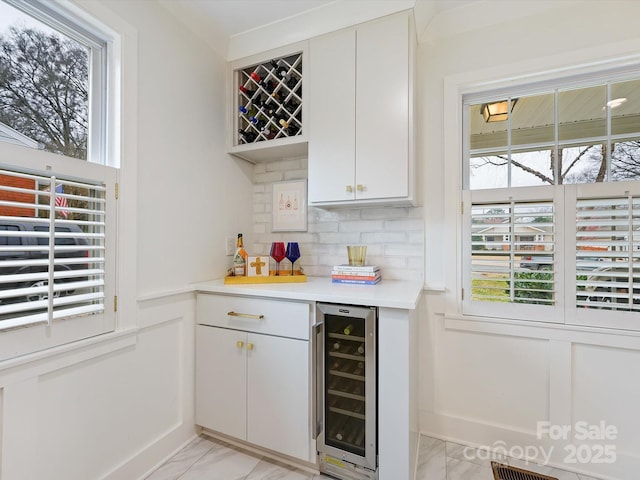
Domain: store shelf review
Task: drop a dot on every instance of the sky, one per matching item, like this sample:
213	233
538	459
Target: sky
10	16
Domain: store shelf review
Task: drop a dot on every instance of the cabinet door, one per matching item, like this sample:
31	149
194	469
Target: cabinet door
332	117
278	395
382	109
221	373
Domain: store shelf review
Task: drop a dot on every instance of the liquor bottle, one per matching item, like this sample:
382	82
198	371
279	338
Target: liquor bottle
348	329
247	136
240	259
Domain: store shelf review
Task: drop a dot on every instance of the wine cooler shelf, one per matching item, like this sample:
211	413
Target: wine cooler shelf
270	100
347	432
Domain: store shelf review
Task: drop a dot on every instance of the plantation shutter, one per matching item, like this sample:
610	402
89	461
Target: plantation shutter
510	257
52	248
608	259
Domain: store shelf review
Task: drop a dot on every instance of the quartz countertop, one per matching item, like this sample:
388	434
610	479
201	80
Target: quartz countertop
388	293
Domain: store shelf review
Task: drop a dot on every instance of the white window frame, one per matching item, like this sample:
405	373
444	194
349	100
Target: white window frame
96	40
456	148
102	159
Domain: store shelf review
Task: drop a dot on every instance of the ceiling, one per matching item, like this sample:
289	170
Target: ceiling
221	22
238	16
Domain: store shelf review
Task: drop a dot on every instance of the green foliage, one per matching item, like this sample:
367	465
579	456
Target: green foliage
533	287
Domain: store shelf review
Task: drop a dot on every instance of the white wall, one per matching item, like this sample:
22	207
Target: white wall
488	382
112	407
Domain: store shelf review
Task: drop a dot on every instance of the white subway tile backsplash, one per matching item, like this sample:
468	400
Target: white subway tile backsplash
394	235
361	226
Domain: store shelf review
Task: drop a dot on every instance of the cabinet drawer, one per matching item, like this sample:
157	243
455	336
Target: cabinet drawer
273	317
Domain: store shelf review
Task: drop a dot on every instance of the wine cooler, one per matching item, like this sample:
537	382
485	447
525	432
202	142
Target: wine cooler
346	393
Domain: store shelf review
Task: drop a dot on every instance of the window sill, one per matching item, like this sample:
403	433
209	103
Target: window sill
52	359
543	330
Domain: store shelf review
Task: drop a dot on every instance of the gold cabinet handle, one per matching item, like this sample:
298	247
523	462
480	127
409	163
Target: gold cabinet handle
360	188
349	189
239	344
249	346
245	315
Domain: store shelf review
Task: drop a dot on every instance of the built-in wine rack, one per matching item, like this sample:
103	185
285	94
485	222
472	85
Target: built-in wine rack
345	392
269	100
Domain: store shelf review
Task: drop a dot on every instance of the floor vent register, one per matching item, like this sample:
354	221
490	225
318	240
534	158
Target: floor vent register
506	472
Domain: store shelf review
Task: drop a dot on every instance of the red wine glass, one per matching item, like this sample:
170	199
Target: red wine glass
293	253
278	253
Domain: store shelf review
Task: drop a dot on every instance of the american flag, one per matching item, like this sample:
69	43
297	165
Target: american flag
61	201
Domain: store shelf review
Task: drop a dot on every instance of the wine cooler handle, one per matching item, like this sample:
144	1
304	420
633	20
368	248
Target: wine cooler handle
245	315
318	385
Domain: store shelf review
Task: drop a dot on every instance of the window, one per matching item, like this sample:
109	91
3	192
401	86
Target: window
53	82
551	195
57	194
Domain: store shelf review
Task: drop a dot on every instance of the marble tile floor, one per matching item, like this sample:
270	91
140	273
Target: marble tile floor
207	458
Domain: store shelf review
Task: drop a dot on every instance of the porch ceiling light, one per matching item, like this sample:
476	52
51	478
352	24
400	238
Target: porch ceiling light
497	111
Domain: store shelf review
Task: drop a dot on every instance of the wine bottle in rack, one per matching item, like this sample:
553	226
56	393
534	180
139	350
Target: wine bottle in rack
247	136
292	82
348	329
279	69
361	348
255	76
277	95
336	346
292	130
268	86
249	93
291	106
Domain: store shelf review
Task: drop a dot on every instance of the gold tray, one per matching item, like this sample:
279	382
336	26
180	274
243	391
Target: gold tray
297	277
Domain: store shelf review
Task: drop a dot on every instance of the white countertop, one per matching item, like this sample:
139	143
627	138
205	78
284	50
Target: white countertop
388	293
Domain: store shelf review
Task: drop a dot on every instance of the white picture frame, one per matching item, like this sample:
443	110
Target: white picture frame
289	211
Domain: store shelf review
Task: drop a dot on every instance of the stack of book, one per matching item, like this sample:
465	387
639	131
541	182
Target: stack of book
364	275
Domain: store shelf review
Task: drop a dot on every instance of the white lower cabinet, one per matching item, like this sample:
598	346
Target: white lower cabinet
254	386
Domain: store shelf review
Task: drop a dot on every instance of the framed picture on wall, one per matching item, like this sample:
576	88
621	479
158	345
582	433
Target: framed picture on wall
289	210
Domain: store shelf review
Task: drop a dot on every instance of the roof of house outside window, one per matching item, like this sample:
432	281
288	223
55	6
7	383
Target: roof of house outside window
9	135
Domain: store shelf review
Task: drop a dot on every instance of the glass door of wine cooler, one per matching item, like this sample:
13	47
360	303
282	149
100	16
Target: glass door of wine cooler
347	383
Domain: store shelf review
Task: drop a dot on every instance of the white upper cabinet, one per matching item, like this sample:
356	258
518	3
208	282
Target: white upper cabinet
360	102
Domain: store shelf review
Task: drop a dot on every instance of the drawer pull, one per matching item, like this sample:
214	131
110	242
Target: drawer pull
249	346
245	315
239	344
